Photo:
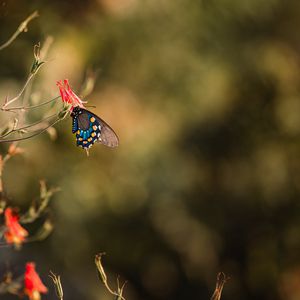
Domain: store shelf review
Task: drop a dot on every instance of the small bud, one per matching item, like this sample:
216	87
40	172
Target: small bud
37	51
43	189
52	133
14	150
64	112
101	272
44	231
36	63
89	83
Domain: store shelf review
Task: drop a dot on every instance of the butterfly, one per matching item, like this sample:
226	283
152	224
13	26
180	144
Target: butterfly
89	129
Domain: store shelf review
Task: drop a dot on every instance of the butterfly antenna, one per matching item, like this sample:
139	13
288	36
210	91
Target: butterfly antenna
93	106
87	152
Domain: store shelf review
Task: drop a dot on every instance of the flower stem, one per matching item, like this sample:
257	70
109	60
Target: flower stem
32	106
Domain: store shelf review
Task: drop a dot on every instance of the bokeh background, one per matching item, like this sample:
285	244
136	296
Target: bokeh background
205	98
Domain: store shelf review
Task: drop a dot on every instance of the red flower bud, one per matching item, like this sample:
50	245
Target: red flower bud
67	94
33	283
14	232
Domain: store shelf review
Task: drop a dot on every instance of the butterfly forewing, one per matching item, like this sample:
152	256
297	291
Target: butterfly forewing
84	121
107	137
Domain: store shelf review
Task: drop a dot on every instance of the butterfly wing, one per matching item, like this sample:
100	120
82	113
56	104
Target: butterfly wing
107	137
89	129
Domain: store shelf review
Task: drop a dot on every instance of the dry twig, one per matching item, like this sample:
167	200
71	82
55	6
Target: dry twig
103	278
22	28
221	280
57	285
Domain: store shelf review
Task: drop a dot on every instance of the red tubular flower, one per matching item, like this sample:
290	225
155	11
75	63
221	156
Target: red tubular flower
67	95
14	232
33	283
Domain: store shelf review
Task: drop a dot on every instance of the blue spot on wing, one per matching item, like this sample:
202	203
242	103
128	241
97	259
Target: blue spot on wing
89	132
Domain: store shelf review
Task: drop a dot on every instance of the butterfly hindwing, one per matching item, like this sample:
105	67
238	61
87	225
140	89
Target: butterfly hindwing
89	129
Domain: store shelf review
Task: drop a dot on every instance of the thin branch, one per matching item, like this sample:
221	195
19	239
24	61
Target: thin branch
60	116
22	28
120	289
39	54
32	106
31	75
37	63
57	285
20	129
102	276
221	280
36	210
8	285
43	232
12	150
35	133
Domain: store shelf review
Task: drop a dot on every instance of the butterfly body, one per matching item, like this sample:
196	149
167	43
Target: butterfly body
89	128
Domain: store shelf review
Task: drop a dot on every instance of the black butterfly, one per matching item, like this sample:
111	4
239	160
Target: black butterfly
89	129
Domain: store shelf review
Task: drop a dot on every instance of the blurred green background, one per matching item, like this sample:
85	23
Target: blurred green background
205	98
